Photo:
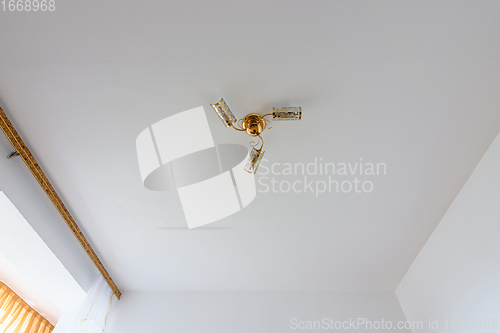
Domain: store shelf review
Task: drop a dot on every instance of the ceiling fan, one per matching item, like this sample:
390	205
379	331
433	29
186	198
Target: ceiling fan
254	124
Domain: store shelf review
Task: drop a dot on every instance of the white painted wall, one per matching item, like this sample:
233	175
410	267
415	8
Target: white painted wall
32	268
65	321
229	312
457	273
25	193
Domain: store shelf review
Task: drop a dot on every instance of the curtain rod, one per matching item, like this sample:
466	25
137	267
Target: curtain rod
18	144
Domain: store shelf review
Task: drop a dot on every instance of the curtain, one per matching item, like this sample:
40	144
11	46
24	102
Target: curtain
17	316
95	311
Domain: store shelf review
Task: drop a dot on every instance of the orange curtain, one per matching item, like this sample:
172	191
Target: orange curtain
17	316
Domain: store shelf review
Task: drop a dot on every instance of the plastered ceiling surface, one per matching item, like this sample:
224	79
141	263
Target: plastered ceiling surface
413	86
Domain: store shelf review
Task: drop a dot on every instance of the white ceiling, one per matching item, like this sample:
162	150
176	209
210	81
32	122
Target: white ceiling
412	84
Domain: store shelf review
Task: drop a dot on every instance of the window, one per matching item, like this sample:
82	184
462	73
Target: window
17	316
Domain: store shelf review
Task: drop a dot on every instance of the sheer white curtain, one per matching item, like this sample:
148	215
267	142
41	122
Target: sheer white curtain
95	312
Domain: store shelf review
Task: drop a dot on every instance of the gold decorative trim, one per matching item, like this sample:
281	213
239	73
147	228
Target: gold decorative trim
254	160
287	113
224	112
39	175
